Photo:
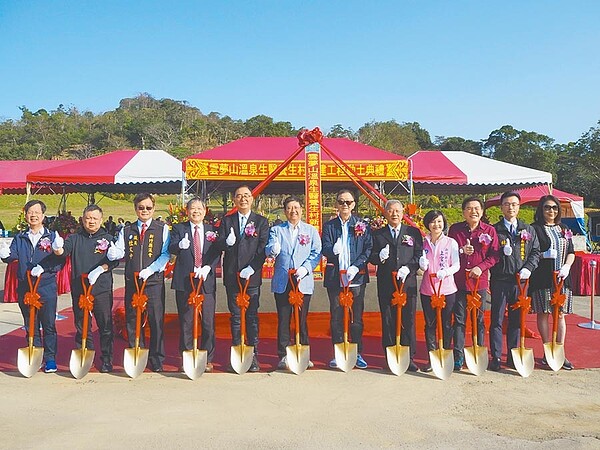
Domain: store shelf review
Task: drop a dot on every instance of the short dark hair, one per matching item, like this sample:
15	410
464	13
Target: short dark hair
89	208
509	194
539	212
345	191
143	196
432	215
31	203
290	199
472	199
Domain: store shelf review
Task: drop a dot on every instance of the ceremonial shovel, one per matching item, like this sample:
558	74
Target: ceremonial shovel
29	359
523	357
241	355
345	352
475	356
136	358
82	359
555	351
442	360
194	361
398	356
297	355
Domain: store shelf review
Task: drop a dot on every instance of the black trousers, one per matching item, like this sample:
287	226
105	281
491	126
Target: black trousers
284	314
336	311
156	320
408	334
251	316
504	295
431	321
461	319
186	323
103	303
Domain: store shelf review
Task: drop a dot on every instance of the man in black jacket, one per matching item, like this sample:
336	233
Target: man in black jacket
519	254
192	243
88	250
243	236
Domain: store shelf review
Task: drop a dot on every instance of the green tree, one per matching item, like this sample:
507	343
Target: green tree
458	144
338	131
391	136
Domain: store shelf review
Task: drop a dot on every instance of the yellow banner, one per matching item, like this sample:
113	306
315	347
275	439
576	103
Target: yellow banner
198	169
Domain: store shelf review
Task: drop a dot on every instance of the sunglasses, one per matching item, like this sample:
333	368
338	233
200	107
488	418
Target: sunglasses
345	202
550	207
147	208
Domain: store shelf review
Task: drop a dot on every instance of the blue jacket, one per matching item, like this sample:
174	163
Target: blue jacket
304	251
28	257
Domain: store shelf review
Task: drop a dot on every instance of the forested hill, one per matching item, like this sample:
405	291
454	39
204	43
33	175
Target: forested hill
182	130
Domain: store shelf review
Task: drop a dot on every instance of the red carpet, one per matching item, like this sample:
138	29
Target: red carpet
581	347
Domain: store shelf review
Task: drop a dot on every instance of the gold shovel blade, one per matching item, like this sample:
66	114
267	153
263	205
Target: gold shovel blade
194	363
297	357
555	355
398	358
135	360
29	360
81	362
240	358
442	363
345	355
523	360
476	358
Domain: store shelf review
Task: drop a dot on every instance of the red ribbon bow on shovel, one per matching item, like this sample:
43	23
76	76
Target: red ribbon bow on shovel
32	298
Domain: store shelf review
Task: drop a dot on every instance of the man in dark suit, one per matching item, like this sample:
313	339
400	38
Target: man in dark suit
397	247
243	236
346	245
192	243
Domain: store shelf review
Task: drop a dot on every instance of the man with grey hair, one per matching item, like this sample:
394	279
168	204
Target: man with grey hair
397	248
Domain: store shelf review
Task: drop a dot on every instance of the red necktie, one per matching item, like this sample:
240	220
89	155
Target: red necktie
143	232
197	248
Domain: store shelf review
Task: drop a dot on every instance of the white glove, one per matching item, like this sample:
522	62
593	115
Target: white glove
197	272
424	262
203	272
94	274
231	237
58	242
384	253
441	274
351	272
337	247
507	249
564	271
184	244
301	273
37	271
275	249
524	274
403	272
246	272
4	250
145	273
551	253
113	253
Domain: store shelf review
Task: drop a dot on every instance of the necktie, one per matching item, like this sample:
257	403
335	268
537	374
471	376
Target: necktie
513	230
143	232
242	225
395	235
197	247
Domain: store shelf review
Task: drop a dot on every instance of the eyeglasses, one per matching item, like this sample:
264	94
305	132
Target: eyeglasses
550	207
510	205
345	202
146	208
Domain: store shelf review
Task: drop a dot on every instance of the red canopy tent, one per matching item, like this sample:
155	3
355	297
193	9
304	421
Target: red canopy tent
13	174
252	159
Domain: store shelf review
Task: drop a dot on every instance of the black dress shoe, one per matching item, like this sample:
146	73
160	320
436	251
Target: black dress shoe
427	368
568	365
494	364
254	367
157	369
412	367
106	367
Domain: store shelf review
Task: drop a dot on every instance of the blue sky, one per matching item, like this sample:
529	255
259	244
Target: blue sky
459	68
